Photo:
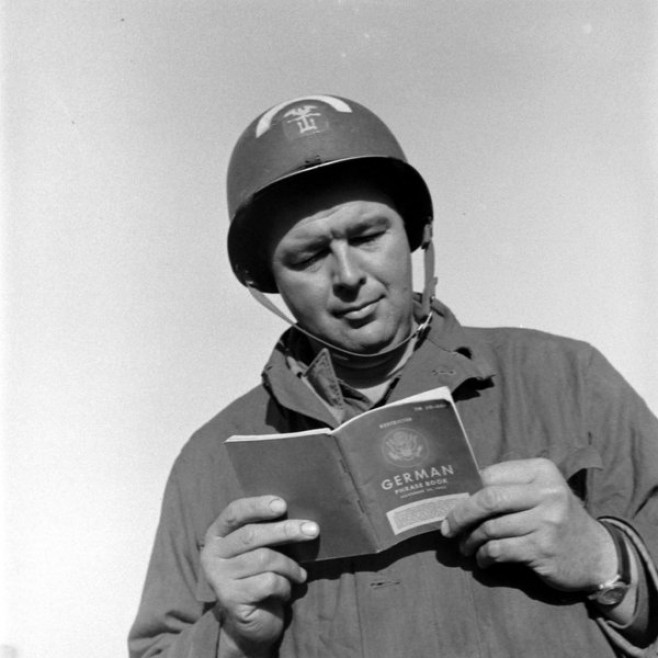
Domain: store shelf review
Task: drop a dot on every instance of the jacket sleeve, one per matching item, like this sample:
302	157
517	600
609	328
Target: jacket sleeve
625	432
176	615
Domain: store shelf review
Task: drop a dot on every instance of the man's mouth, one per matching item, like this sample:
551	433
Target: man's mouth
360	311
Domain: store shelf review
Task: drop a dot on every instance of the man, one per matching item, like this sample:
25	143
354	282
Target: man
554	556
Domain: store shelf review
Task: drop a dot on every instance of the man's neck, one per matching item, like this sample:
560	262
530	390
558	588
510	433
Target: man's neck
365	374
372	376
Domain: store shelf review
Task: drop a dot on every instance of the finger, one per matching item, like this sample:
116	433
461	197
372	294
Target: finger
487	503
262	560
243	511
256	589
257	535
509	549
519	471
501	527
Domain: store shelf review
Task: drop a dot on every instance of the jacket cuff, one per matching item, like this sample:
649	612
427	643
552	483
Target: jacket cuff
623	637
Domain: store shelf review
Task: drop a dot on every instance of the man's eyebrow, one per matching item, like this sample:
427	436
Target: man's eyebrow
368	221
307	243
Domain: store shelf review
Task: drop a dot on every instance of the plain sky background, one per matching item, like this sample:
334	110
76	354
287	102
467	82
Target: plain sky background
534	124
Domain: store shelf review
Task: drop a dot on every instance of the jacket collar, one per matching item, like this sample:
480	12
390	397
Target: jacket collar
448	355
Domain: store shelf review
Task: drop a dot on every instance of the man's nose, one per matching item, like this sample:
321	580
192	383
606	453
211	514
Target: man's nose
347	269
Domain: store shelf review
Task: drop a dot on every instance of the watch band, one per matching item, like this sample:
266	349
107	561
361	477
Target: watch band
613	591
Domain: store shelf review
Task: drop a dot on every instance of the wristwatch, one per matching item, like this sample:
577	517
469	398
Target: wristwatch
612	592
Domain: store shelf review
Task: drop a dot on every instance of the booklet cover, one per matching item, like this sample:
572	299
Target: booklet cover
384	476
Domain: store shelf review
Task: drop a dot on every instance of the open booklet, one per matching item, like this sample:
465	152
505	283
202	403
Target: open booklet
384	476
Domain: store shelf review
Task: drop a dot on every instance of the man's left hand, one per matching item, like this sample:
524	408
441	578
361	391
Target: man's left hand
526	513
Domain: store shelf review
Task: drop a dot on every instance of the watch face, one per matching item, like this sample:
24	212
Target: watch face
613	595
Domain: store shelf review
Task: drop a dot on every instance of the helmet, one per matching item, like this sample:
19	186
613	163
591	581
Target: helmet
313	136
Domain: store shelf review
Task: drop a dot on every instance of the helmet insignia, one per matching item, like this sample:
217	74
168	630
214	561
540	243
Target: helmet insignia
265	122
306	119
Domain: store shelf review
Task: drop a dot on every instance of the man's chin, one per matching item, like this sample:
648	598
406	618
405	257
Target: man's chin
367	339
366	344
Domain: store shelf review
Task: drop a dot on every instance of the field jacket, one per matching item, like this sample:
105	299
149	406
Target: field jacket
520	394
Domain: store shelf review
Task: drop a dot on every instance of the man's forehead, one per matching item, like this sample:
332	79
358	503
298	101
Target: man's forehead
345	218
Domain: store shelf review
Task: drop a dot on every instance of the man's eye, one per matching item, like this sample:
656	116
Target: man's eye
307	260
366	238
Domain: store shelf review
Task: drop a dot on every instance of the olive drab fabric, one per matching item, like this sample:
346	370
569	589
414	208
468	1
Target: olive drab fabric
520	394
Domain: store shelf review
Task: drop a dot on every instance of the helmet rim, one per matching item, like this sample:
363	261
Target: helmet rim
313	136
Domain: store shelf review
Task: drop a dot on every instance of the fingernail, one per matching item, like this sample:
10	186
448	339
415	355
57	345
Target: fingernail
309	528
445	528
277	506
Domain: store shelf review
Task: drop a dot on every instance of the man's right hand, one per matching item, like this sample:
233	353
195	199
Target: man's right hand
251	580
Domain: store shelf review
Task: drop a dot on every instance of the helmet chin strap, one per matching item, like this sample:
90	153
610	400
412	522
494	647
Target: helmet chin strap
344	355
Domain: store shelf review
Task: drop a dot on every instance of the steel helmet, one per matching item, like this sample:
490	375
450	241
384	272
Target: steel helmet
312	136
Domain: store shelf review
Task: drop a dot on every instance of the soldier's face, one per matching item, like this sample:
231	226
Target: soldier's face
341	261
